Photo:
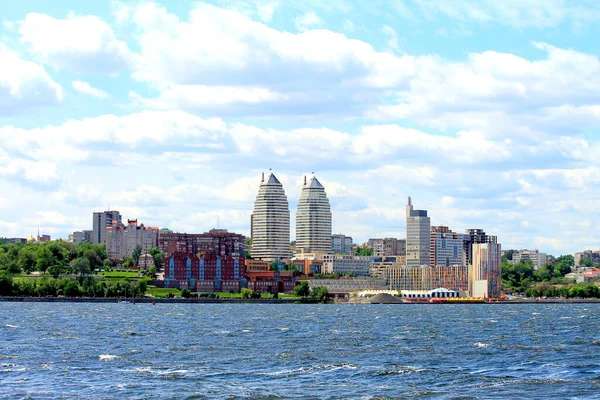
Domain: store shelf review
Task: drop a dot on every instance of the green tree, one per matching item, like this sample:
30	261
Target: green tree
27	259
157	255
135	256
186	294
45	259
320	292
302	289
363	250
6	284
81	266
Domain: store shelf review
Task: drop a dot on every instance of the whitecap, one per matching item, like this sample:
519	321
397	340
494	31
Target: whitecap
246	330
108	357
284	329
11	326
481	345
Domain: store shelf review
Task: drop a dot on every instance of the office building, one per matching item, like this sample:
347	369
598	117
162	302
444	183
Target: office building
418	241
313	219
79	237
357	266
270	222
447	247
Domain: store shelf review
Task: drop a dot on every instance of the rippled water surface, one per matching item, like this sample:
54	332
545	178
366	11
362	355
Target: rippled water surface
179	351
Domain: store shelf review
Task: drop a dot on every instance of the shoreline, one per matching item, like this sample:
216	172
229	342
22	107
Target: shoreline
146	300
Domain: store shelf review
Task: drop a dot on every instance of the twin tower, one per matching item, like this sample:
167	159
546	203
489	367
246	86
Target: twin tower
270	221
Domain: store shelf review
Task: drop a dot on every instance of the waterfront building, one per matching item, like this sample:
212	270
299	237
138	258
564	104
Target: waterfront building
485	272
388	247
102	220
537	259
341	244
271	281
121	240
418	227
313	219
358	266
207	273
343	287
379	265
216	241
447	247
79	237
270	222
455	277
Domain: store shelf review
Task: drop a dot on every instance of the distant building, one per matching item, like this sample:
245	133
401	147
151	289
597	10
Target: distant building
13	240
343	287
342	244
219	242
388	247
79	237
102	220
43	238
308	266
121	240
592	255
313	219
380	265
146	261
418	227
485	272
447	247
358	266
270	222
537	259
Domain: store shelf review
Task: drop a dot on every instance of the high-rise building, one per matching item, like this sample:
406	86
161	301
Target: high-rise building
474	236
342	244
101	221
313	219
418	227
485	272
447	247
270	221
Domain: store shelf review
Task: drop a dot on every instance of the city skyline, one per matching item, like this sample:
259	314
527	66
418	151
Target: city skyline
135	105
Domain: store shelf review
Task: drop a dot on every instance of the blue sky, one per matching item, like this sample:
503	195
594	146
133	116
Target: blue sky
485	112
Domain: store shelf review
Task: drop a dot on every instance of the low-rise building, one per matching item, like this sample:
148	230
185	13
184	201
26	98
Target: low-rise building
343	287
387	247
79	237
427	278
358	266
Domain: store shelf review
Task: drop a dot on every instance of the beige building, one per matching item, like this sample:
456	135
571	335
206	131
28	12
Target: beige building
270	222
538	259
485	273
388	247
313	219
121	239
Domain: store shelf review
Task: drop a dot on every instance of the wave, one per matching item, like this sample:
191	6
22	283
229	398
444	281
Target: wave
108	357
481	345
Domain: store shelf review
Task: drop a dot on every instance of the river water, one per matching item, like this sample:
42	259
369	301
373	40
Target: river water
253	351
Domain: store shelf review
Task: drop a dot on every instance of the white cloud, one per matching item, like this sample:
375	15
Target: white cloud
266	10
86	88
392	37
81	44
516	13
24	84
307	21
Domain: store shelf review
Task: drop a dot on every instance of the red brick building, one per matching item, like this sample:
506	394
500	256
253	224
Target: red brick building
208	273
219	242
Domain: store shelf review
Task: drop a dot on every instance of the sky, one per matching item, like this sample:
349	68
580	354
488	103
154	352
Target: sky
486	113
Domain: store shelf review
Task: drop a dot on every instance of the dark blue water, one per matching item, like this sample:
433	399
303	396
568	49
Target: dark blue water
179	351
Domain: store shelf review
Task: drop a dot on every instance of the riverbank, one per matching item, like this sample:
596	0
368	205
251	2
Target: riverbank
146	300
